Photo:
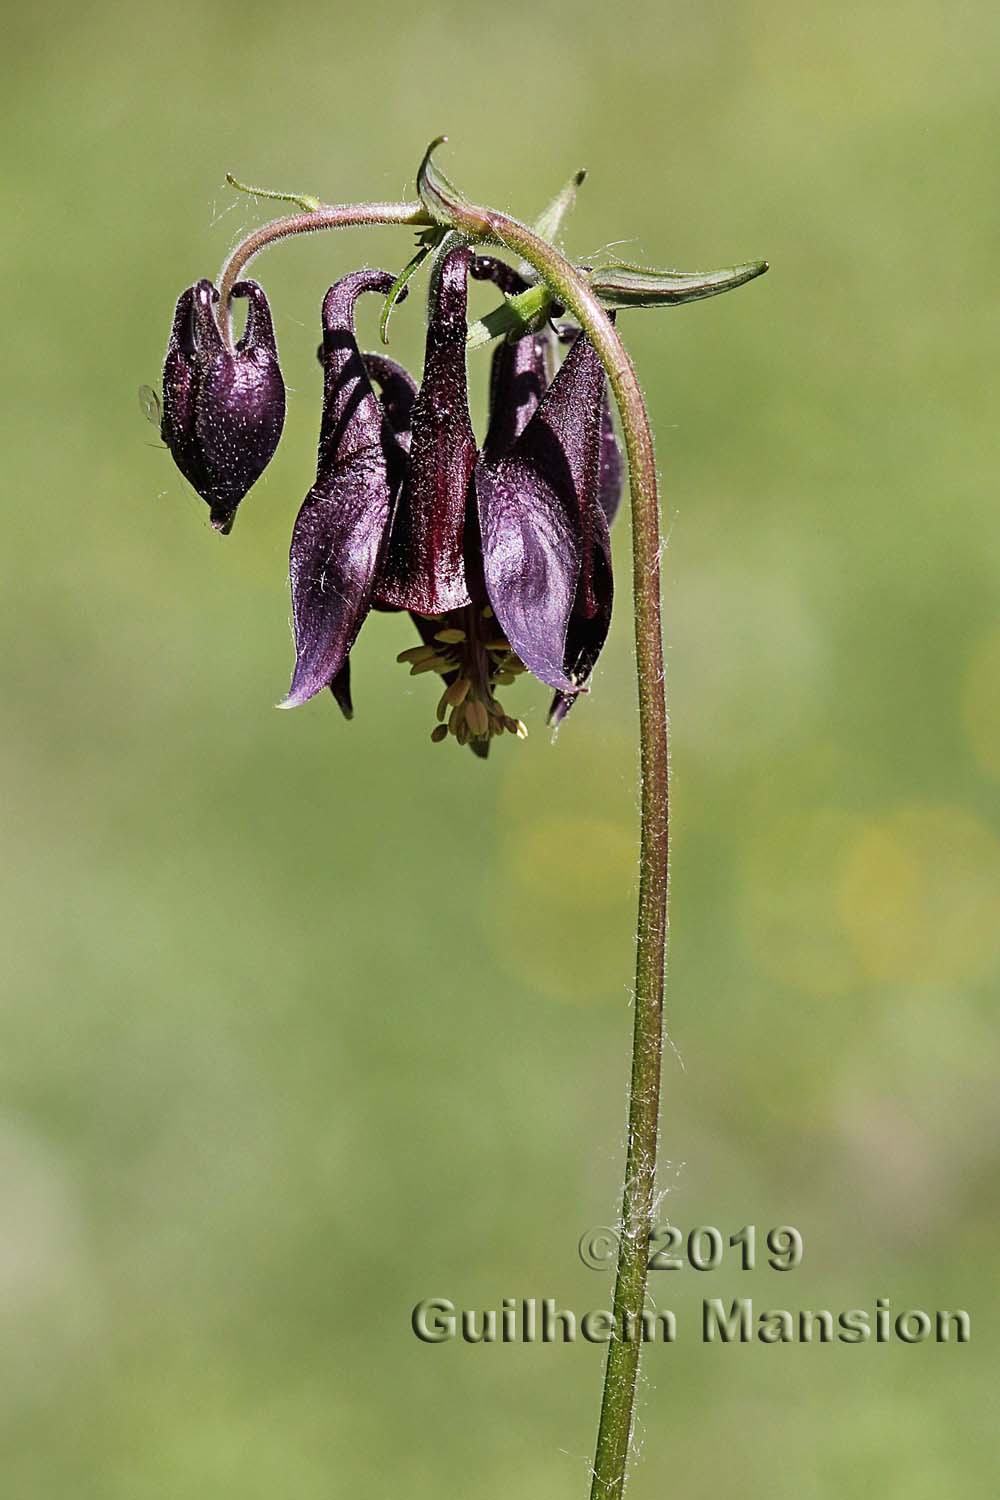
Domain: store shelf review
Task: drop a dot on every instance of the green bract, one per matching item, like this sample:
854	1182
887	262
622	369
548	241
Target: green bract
623	285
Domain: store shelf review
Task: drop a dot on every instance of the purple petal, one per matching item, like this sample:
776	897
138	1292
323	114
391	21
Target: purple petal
353	419
258	335
503	276
577	404
518	379
180	389
340	531
424	568
612	468
519	372
399	391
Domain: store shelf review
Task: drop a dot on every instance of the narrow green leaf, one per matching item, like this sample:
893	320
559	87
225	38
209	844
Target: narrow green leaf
623	285
427	242
549	223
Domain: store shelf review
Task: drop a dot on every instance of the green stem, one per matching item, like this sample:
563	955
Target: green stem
325	216
638	1198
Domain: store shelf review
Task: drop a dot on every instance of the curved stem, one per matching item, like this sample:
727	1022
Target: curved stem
326	216
638	1198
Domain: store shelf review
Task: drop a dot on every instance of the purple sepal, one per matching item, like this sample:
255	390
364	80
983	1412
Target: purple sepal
543	530
589	621
340	687
399	391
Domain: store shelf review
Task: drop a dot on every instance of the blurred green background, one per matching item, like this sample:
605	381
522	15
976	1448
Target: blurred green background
306	1021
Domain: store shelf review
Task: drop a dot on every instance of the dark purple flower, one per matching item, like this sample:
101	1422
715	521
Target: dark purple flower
223	410
339	535
501	557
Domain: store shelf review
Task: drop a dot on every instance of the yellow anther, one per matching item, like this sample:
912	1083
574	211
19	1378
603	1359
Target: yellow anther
487	612
432	664
439	733
416	653
477	717
451	636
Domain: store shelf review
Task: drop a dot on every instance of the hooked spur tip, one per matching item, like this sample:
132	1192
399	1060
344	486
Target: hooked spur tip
222	521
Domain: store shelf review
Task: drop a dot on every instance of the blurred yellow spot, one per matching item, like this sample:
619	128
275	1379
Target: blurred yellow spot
560	912
788	899
585	770
920	896
981	703
576	863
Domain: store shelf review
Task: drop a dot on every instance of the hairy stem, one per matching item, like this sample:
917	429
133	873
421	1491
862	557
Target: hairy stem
325	216
638	1199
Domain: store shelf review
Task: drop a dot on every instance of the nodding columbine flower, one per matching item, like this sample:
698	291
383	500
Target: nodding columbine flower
502	557
223	409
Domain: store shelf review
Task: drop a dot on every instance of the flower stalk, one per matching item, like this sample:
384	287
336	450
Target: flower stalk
310	221
365	443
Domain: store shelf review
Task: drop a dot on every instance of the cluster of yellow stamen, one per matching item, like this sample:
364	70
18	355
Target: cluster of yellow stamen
470	651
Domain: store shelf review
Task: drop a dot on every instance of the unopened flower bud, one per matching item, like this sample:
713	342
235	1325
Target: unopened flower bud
223	409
